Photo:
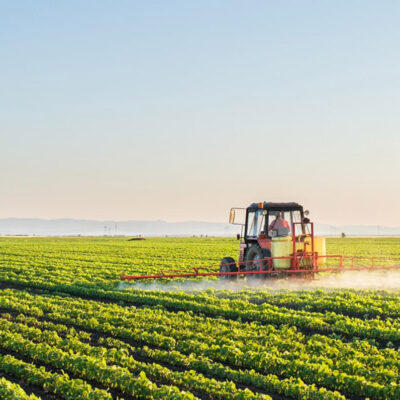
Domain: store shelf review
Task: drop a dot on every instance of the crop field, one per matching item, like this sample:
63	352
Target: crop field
69	330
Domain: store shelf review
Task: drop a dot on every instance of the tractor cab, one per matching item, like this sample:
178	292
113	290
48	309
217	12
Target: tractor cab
269	220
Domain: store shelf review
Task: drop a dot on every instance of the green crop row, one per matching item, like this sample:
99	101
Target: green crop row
369	304
13	391
101	261
290	387
222	332
90	368
243	355
384	330
187	380
60	384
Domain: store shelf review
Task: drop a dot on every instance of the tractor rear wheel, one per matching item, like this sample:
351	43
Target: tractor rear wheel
228	265
253	259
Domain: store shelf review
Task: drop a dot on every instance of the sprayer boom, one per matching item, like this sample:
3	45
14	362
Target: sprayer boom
340	264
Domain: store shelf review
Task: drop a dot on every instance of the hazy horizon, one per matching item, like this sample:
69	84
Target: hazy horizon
66	227
179	111
113	221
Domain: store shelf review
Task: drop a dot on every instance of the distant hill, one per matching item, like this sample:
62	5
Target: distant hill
61	227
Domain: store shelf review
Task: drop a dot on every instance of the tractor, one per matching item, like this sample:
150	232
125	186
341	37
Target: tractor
275	238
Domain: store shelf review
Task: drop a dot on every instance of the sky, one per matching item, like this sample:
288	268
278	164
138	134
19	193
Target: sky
179	110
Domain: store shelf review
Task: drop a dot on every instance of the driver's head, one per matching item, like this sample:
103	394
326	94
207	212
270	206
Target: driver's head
278	215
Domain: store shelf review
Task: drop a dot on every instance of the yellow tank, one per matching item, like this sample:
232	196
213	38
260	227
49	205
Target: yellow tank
303	243
319	247
282	247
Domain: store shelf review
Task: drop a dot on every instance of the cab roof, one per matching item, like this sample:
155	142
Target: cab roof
291	206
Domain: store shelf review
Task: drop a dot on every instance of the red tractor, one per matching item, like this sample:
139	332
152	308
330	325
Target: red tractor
275	238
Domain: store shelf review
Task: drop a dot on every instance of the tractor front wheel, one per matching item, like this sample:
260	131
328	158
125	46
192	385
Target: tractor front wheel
228	265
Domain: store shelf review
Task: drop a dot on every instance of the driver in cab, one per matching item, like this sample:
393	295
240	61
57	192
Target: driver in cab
280	225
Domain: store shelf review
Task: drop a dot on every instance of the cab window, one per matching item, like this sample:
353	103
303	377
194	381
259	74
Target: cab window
255	222
289	217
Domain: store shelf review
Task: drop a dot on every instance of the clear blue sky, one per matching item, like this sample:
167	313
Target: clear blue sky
178	110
